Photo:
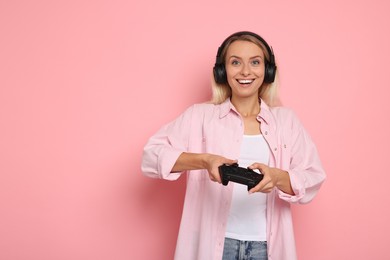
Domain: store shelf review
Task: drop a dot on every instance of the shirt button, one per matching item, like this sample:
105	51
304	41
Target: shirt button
266	133
275	149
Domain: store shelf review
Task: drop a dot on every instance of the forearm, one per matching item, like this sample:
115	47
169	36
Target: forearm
283	182
196	161
190	161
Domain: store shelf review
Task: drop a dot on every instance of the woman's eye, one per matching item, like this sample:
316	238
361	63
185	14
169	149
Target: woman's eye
235	62
256	62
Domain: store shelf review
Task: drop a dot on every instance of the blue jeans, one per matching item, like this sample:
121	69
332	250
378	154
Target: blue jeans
244	250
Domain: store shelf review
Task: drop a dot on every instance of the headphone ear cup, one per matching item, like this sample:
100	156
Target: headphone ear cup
269	73
220	73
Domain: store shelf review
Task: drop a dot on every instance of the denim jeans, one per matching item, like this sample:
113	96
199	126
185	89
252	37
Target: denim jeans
244	250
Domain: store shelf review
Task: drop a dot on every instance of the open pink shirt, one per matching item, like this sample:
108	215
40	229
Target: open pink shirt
218	129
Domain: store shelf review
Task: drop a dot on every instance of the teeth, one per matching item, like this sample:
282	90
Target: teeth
245	81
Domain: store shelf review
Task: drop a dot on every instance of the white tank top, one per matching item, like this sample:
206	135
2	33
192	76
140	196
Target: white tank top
247	217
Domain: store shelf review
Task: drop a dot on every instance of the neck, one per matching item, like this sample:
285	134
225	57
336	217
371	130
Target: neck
246	107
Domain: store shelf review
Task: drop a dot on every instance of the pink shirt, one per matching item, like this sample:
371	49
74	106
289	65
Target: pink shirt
218	129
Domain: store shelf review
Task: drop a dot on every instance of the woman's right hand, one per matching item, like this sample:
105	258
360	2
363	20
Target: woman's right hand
211	164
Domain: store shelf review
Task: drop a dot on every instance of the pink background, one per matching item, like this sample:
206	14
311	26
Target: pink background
83	84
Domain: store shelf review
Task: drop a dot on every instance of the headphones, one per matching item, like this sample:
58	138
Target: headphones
219	70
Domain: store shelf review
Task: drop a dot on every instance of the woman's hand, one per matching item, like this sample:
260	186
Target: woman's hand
211	164
272	177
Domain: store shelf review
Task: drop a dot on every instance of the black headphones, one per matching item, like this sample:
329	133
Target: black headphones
219	67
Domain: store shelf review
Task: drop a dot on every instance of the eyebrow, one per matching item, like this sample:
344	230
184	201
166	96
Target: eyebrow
237	57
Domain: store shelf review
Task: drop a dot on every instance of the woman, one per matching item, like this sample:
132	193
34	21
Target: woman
241	125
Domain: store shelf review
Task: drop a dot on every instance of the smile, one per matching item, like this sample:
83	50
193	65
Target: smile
245	81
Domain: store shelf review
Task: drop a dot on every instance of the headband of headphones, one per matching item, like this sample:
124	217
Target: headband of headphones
219	68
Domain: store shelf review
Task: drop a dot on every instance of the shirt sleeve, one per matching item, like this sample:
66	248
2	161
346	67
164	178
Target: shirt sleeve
305	170
164	148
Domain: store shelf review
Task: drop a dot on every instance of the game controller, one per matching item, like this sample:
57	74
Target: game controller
234	173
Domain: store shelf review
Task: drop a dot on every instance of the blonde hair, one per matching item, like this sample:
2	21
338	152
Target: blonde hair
267	91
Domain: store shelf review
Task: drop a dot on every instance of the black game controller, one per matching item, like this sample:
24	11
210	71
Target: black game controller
240	175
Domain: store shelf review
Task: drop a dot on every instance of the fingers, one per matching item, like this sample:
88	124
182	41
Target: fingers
214	176
233	161
215	179
263	186
266	185
229	162
261	167
214	164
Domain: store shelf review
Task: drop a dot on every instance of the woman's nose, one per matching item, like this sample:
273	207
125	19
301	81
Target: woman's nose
245	70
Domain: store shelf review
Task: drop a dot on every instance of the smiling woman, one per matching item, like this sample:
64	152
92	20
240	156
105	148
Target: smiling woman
241	125
263	59
245	69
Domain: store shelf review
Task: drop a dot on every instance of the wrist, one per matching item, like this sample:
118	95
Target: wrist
204	160
281	177
283	182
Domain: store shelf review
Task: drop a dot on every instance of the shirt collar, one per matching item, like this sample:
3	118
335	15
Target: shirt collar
264	114
226	107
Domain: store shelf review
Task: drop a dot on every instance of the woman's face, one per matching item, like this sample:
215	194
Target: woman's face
244	65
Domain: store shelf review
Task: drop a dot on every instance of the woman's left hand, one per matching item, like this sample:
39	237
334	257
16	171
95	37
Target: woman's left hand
272	177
